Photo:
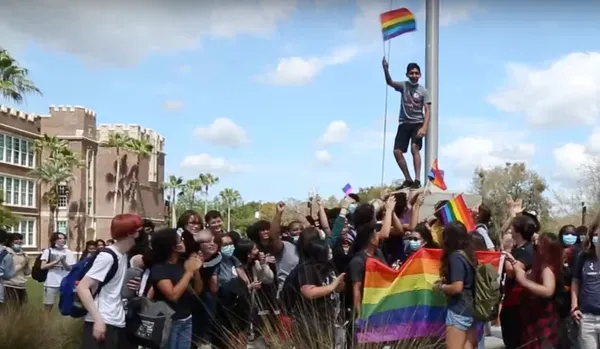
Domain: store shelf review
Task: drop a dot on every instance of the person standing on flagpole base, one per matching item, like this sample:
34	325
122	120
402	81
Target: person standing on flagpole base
415	110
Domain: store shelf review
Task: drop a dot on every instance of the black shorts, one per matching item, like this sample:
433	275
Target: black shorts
407	133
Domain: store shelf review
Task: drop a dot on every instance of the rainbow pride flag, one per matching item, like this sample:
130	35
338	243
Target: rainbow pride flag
401	304
457	210
436	176
397	22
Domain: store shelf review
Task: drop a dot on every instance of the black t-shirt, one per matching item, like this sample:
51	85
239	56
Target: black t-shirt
310	274
460	269
174	273
526	255
393	249
356	271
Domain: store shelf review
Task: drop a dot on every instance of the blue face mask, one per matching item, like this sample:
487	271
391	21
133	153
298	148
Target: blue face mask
352	207
295	238
595	240
414	245
228	250
569	239
16	247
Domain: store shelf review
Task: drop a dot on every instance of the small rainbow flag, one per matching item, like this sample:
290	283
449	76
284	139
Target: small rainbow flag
397	22
401	304
456	210
347	189
436	176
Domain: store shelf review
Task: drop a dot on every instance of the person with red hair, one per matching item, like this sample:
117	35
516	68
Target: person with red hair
105	321
540	318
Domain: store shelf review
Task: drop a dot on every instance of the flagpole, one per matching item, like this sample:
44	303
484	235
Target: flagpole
432	19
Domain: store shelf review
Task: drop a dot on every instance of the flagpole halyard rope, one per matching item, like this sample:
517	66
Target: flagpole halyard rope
385	108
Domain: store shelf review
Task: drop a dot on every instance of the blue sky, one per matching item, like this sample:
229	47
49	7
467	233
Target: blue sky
278	97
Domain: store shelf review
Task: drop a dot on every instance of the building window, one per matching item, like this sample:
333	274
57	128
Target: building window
18	191
26	227
63	196
62	226
17	151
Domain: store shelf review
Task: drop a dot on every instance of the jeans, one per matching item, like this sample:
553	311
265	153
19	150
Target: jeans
181	334
458	321
589	332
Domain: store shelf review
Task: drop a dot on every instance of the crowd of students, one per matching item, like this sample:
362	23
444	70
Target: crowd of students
305	278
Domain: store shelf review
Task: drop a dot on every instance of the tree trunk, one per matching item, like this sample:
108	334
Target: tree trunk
117	175
51	222
173	208
138	191
228	216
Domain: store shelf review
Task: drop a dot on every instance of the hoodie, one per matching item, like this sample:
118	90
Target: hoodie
22	270
7	271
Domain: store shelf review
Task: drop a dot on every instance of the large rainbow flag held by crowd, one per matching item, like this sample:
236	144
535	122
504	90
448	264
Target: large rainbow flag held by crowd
401	304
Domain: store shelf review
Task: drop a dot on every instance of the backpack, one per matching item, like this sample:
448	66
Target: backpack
487	293
37	273
148	323
6	275
69	303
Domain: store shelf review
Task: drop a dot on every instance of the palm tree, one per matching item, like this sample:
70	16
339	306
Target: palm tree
207	180
14	80
231	197
142	149
176	186
120	142
191	187
53	144
52	173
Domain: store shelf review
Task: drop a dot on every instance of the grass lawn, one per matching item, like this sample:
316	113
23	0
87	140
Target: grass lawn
35	292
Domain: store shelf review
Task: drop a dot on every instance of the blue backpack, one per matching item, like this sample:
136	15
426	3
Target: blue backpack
69	303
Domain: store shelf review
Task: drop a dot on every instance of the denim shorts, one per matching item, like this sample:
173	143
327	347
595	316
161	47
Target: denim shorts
458	321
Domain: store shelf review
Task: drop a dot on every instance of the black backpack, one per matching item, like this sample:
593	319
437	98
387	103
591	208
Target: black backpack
37	273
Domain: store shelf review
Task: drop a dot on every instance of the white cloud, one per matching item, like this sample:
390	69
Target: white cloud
567	92
594	141
336	132
569	158
223	132
302	70
173	105
123	33
467	153
207	163
323	157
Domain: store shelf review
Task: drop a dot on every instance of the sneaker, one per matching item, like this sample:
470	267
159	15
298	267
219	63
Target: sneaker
406	184
416	184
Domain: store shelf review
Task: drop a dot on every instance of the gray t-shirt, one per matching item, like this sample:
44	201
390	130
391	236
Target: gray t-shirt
587	271
412	104
287	260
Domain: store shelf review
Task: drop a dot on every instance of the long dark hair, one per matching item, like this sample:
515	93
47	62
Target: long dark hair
313	250
549	254
242	249
163	244
456	238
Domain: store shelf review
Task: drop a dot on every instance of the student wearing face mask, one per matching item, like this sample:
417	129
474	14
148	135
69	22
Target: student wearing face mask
311	290
175	283
571	245
421	237
585	298
58	260
16	288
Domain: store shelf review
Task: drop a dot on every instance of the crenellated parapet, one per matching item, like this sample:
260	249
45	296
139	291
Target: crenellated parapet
71	108
133	131
31	117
